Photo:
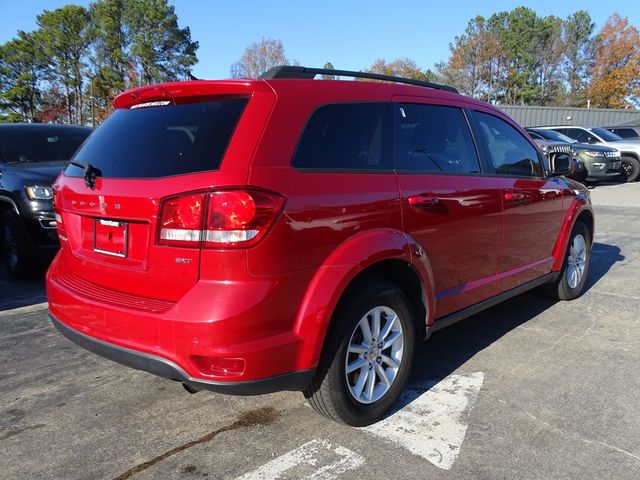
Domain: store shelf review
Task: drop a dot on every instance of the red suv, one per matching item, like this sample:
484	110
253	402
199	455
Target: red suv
284	233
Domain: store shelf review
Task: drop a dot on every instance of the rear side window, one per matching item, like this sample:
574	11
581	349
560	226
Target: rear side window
154	142
434	138
346	136
509	150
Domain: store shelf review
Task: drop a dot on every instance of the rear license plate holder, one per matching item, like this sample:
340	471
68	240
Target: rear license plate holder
111	237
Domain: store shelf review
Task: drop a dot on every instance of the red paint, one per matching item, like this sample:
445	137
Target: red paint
251	312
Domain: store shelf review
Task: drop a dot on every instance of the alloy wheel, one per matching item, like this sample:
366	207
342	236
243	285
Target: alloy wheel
577	261
374	354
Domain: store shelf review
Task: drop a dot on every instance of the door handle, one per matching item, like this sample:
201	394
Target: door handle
423	201
513	197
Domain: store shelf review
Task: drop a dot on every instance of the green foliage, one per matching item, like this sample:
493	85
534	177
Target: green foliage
63	41
79	59
21	69
577	36
160	50
519	57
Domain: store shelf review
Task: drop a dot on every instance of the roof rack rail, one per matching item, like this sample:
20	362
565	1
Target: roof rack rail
295	72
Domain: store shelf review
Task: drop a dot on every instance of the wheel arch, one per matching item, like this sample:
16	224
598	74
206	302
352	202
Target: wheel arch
7	203
580	210
383	253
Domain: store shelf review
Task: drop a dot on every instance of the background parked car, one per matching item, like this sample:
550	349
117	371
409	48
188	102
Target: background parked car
598	162
628	133
630	150
578	170
31	157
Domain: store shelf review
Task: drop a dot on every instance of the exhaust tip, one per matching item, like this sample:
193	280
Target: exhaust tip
190	388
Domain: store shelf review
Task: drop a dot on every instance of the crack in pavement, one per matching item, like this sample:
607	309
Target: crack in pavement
261	416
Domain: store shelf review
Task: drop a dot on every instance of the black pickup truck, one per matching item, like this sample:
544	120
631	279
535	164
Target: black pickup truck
31	157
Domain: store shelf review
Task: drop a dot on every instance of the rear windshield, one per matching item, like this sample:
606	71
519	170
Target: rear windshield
40	145
161	141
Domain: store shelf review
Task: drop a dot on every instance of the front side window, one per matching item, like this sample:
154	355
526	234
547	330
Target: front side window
508	150
434	138
579	135
346	136
605	135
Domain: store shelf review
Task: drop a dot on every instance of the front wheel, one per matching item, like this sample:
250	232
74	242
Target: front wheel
14	246
367	356
575	268
630	169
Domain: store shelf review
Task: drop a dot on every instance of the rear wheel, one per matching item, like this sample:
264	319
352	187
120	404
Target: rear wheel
15	247
630	168
367	357
575	268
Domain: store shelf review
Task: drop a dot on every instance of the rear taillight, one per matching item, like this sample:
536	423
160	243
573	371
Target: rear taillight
219	219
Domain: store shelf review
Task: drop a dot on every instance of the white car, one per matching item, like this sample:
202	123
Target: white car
630	150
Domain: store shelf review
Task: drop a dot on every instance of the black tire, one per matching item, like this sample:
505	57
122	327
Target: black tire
561	289
14	246
329	393
630	169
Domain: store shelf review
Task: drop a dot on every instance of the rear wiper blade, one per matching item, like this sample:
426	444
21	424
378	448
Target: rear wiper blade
90	173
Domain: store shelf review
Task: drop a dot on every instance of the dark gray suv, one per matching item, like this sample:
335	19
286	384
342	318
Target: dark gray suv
31	157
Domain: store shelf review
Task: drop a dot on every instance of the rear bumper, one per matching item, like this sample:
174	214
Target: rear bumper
234	336
162	367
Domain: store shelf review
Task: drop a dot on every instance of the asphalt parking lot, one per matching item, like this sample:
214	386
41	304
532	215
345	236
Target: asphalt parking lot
527	389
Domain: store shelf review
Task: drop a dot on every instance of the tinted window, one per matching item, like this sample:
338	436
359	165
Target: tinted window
162	141
605	135
433	138
41	144
625	132
578	134
534	135
351	136
552	135
509	151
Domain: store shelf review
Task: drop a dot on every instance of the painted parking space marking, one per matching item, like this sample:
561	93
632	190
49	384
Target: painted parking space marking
315	460
432	419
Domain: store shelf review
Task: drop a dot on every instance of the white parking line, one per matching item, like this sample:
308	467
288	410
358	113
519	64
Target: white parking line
432	420
315	460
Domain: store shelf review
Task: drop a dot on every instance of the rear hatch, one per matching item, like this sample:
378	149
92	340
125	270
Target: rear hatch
160	143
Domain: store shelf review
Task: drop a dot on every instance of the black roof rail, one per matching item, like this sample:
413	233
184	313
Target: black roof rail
295	72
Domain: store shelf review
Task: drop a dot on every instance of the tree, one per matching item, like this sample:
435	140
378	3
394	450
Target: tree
549	55
109	60
21	70
615	72
79	53
160	49
475	57
65	44
329	66
260	57
577	31
400	67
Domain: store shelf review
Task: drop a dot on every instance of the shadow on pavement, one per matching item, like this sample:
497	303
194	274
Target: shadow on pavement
451	347
20	293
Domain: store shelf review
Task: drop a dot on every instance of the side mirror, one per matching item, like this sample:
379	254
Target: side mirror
561	163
